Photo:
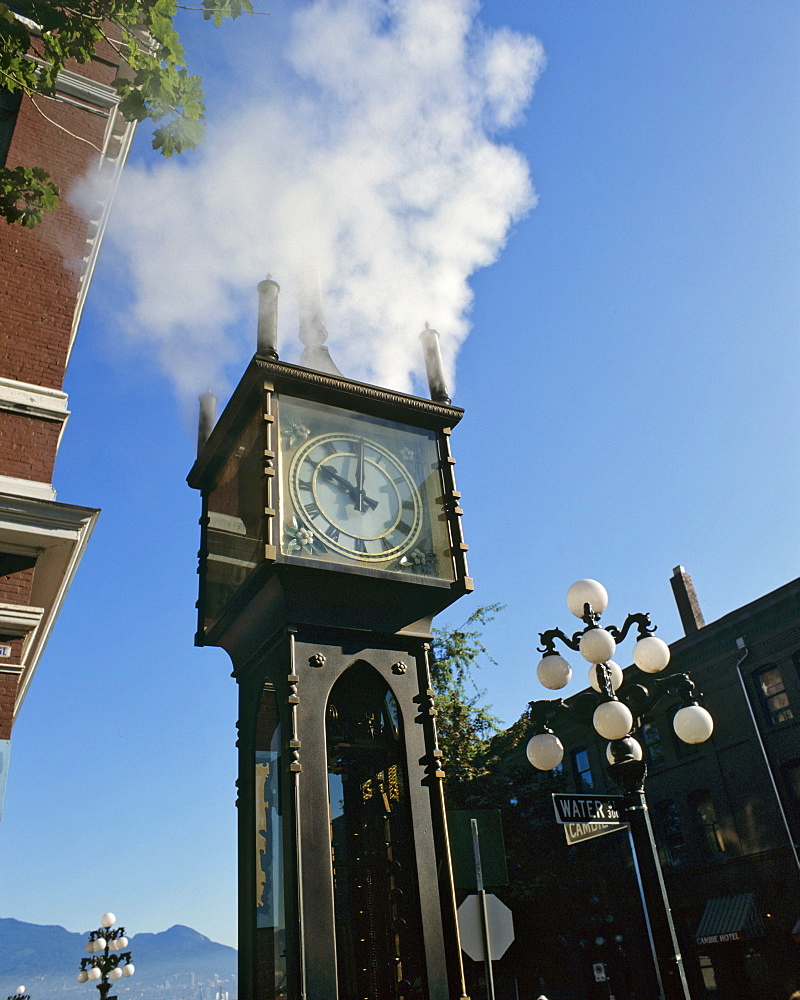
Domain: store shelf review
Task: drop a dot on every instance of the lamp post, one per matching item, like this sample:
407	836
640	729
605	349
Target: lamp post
614	715
108	961
20	994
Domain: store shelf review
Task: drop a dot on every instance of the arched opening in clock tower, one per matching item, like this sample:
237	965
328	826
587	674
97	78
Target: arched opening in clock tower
376	904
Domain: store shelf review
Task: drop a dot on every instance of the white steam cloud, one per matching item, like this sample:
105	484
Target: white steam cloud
375	155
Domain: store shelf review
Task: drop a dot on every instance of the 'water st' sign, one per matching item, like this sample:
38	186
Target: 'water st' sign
587	808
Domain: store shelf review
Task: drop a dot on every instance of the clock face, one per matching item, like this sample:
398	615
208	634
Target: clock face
357	496
361	491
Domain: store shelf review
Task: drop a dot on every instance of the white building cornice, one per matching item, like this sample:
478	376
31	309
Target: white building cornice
58	533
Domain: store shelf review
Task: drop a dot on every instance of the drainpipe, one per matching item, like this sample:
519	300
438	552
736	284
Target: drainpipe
745	652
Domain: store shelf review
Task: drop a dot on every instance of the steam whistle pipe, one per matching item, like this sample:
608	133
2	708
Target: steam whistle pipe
208	417
433	365
268	318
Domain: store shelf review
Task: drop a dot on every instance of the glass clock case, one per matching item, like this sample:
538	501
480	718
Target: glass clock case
361	492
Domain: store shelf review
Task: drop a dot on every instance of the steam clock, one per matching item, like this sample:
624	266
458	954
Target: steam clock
330	538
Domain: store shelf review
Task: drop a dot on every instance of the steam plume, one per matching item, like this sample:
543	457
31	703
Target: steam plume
375	155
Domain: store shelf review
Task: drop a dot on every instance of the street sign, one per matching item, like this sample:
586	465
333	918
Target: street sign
576	832
470	927
492	850
587	808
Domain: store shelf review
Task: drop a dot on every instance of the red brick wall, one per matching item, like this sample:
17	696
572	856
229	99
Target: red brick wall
8	693
39	277
15	586
28	446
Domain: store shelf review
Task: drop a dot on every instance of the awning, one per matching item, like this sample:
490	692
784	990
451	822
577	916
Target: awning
730	918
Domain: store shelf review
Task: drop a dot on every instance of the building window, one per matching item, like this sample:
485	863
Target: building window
582	770
774	696
707	972
706	819
9	106
673	842
651	738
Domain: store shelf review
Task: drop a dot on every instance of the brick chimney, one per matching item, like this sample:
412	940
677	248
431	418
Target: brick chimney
686	599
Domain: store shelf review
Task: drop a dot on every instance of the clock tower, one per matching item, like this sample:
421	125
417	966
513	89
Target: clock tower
331	535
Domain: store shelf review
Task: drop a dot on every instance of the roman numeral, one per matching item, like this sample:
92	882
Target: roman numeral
359	545
330	447
333	533
304	484
408	505
386	544
403	528
312	509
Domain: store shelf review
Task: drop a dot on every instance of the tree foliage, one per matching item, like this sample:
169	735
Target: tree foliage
463	721
39	37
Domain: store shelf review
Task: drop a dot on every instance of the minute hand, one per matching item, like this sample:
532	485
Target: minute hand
347	487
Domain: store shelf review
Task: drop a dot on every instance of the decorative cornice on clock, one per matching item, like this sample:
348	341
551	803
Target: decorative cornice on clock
361	389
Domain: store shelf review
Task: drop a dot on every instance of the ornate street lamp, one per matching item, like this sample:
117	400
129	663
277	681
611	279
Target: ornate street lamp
108	961
20	994
615	714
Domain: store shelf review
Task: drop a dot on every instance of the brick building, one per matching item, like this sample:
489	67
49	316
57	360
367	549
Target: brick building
44	280
726	816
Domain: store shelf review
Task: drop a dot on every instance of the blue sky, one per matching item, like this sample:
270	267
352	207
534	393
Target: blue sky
629	371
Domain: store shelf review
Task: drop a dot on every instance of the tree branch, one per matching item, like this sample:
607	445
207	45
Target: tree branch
61	127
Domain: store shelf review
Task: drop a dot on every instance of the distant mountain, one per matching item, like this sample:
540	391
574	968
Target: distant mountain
177	964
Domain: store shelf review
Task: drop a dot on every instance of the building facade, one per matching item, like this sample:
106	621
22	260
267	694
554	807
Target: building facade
725	813
45	277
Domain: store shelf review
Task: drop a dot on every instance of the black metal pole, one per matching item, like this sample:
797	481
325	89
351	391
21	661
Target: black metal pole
629	776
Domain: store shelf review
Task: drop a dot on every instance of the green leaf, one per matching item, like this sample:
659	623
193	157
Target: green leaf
26	193
158	88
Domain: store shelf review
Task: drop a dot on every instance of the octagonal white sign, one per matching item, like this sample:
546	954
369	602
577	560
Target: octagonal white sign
470	927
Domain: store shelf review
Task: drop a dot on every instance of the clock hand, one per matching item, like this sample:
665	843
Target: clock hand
328	473
360	476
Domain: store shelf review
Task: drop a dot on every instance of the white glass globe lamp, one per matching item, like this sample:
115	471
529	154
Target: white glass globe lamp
90	946
612	720
584	592
93	974
108	920
616	675
631	745
651	654
128	970
100	944
122	943
545	751
115	974
83	975
554	672
693	724
597	645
